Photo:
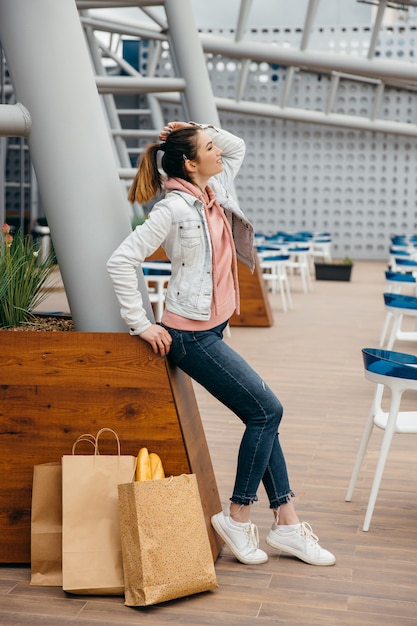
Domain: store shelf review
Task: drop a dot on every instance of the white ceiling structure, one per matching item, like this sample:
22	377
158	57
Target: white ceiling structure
236	43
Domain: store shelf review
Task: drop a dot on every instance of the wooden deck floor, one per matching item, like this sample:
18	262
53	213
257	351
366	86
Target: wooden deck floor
311	357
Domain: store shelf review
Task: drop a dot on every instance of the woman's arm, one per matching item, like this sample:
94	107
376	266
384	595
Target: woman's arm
233	153
122	267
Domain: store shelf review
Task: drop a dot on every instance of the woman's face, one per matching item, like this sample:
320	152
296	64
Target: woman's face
209	157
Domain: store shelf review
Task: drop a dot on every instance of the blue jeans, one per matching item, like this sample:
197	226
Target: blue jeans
225	374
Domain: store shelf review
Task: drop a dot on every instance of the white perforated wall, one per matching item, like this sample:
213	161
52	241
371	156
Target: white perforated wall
360	186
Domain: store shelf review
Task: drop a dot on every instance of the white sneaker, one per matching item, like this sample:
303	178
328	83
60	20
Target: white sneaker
243	540
300	542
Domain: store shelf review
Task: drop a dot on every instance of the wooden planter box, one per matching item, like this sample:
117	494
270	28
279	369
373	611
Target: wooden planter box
333	271
54	386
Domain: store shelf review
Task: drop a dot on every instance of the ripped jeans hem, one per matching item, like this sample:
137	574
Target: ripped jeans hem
243	500
282	500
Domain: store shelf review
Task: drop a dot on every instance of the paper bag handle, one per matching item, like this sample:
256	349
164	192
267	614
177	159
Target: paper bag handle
85	437
110	430
94	440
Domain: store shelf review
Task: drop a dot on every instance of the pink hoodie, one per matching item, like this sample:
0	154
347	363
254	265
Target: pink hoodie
225	280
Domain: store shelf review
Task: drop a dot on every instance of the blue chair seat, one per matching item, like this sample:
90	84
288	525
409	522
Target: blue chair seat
400	300
400	277
406	263
390	363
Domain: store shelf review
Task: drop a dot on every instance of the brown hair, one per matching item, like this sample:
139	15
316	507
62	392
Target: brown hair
180	146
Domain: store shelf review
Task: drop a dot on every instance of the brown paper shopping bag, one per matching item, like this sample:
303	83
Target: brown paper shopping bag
46	525
91	549
166	550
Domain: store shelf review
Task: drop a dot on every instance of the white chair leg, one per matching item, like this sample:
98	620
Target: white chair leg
364	442
308	279
159	307
270	281
388	318
303	280
383	454
394	331
288	290
282	294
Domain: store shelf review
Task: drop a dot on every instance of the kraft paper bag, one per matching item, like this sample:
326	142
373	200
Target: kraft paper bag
91	548
165	545
46	525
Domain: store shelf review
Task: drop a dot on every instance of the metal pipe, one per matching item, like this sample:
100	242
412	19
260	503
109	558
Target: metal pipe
376	27
289	78
134	111
243	76
162	23
14	120
317	117
127	173
136	133
309	59
104	4
145	31
379	92
245	7
108	100
141	84
334	84
188	53
154	105
305	115
22	184
308	23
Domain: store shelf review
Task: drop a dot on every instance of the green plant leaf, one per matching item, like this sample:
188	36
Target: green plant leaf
23	276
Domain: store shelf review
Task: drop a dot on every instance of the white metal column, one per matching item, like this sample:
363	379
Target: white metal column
71	151
189	57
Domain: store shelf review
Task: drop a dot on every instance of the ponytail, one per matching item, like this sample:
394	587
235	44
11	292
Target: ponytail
180	145
148	180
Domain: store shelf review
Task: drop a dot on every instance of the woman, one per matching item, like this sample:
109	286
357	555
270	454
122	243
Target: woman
203	233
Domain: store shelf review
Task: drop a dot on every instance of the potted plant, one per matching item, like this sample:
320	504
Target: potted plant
336	270
23	277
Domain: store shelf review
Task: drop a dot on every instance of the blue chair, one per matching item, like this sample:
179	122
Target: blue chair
397	372
399	240
396	281
404	264
400	305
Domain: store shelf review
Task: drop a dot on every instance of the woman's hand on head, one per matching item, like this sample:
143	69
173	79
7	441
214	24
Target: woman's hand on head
158	338
171	126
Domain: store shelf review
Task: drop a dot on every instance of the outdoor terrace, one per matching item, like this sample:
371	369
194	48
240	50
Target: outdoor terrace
312	358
